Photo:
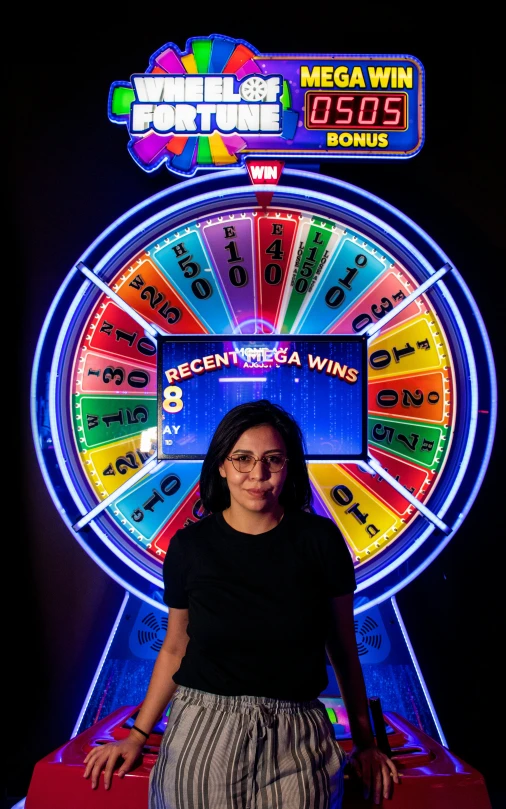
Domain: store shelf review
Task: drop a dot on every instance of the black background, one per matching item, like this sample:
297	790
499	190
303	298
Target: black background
70	176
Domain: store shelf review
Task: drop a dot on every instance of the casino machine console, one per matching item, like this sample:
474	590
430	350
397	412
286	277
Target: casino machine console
254	276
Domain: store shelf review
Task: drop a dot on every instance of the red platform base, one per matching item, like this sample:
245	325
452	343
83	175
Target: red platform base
431	776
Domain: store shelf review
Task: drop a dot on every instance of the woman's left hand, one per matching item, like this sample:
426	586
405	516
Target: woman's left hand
377	772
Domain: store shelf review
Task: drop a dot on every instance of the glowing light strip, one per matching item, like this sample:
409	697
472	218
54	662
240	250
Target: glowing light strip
152	329
147	224
63	467
413	548
293	191
493	398
433	518
139	207
472	367
462	467
369	218
243	379
144	470
470	357
473	408
33	386
414	295
37	360
383	204
418	671
317	196
157	581
100	666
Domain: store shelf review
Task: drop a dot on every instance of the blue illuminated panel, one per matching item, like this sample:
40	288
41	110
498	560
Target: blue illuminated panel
321	380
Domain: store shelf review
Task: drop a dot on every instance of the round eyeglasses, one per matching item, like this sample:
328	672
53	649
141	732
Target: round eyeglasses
246	463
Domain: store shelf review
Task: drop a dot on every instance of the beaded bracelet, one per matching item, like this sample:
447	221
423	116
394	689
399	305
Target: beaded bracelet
146	735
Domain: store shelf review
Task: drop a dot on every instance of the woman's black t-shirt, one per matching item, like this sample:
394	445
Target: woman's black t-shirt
258	604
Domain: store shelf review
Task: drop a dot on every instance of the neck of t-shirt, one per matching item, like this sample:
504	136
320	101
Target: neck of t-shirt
253	526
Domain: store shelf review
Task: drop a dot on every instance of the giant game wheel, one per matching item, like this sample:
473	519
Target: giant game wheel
205	257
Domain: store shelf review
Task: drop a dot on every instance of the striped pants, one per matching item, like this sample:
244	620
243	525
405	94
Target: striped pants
246	753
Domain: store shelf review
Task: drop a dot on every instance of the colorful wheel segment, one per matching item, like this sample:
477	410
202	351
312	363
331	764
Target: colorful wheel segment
324	258
183	154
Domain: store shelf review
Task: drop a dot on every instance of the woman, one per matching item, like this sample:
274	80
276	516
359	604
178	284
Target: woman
257	591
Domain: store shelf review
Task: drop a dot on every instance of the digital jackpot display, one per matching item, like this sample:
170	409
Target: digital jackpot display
201	378
356	111
219	101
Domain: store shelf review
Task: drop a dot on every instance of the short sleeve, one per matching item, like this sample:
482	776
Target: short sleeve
174	576
338	570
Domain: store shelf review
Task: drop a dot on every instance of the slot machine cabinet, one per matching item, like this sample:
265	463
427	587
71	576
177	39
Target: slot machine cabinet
429	369
220	255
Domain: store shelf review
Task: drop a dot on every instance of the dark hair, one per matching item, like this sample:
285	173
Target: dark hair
214	492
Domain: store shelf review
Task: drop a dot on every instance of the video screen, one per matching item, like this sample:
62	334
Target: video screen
320	379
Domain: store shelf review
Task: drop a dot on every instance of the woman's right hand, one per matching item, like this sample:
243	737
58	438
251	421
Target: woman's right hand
105	757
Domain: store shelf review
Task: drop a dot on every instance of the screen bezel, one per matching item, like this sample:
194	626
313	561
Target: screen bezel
274	338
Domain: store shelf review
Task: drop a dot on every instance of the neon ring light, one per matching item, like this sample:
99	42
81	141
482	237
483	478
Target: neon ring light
431	383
